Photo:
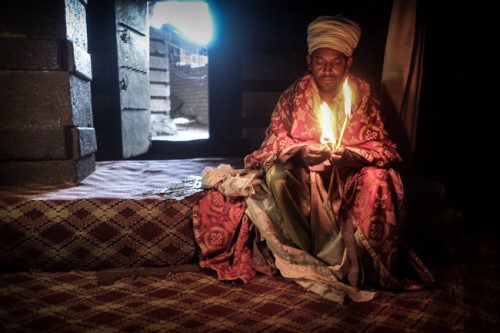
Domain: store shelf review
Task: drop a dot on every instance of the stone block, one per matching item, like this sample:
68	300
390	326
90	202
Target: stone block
134	89
44	54
132	50
131	13
159	76
28	173
33	144
76	23
135	125
63	19
83	141
160	105
158	47
35	99
159	90
158	63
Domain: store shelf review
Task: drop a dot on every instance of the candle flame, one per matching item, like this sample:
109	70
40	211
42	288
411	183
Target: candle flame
327	135
347	99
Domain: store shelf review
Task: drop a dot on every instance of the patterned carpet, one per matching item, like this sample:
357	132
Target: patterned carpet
110	221
196	301
126	214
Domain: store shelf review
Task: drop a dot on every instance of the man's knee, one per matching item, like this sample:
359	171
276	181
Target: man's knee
277	173
375	175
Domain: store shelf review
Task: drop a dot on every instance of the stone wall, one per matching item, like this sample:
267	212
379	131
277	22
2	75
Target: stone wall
46	129
190	86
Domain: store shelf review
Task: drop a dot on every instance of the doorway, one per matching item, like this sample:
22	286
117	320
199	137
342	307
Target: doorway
180	32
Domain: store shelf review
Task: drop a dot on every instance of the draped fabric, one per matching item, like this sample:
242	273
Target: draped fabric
402	74
335	250
295	123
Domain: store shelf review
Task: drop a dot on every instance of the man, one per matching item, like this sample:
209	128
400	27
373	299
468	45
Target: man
357	237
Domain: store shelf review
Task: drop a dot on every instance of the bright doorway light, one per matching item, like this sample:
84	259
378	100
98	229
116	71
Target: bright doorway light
191	18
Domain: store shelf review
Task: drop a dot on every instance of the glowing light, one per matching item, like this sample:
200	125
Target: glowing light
326	124
191	18
347	99
347	109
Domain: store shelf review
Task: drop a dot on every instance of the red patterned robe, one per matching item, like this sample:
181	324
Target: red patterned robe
373	194
370	210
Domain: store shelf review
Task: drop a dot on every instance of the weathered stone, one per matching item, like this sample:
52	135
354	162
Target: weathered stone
83	141
134	92
158	47
44	54
159	90
64	19
34	99
81	101
160	105
158	63
259	104
34	18
33	144
131	13
135	125
76	23
45	172
23	53
159	76
79	61
132	50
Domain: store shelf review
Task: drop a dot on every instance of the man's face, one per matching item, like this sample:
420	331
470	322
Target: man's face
328	68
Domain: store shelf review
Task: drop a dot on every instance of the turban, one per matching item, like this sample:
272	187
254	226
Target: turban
335	33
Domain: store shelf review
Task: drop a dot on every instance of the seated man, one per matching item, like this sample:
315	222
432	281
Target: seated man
368	193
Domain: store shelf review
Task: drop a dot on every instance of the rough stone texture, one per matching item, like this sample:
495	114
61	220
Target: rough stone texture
133	89
132	51
64	19
44	54
45	93
160	105
159	76
44	99
259	104
76	23
83	141
45	172
81	101
23	53
134	124
190	85
159	89
79	61
33	144
131	13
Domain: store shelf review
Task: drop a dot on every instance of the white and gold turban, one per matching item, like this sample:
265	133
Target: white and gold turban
335	33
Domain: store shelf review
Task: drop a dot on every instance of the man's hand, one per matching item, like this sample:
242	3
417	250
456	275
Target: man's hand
314	154
343	157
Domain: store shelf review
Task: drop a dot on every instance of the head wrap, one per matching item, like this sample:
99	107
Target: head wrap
335	33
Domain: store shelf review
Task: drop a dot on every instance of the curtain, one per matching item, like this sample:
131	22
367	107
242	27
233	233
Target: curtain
402	74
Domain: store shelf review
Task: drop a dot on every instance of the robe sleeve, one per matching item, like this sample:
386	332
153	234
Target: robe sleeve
278	146
366	133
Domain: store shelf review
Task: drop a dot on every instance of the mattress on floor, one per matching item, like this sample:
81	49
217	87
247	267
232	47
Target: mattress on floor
126	214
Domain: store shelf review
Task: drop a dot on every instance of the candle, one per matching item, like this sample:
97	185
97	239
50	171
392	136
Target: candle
327	136
347	109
